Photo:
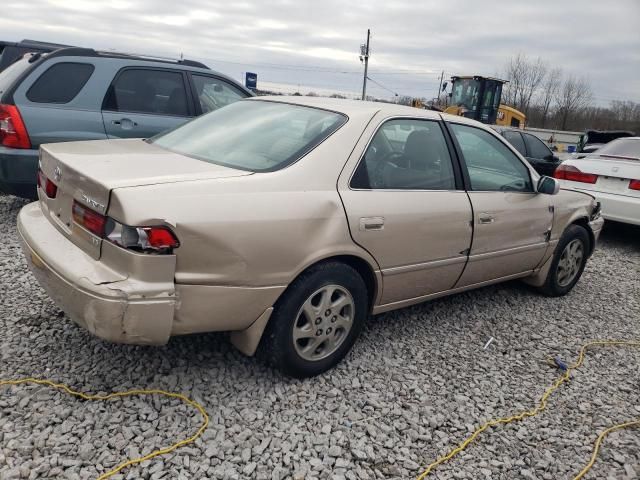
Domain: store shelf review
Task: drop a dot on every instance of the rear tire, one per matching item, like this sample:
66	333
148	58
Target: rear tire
569	260
316	321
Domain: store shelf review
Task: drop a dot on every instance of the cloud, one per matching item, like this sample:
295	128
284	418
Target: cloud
316	43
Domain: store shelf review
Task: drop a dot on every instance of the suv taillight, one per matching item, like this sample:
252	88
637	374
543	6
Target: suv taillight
155	239
573	174
13	133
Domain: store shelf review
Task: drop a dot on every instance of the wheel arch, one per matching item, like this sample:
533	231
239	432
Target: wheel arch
370	276
584	223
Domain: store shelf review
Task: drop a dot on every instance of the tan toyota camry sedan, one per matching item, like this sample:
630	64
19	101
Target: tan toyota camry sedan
288	221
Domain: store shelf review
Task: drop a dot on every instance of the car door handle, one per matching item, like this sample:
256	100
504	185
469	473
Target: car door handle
125	123
485	218
371	223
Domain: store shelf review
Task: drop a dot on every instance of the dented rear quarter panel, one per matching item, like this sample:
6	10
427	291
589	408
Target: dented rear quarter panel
257	230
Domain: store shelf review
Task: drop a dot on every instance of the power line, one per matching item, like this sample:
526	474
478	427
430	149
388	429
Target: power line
382	86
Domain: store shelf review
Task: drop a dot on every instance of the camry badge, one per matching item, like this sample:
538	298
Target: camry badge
57	174
91	202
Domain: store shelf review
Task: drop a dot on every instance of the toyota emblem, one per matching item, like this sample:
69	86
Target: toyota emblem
57	174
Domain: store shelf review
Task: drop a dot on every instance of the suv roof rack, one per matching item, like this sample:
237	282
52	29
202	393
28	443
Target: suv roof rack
90	52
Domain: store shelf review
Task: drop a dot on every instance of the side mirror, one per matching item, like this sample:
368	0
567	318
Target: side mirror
551	158
548	186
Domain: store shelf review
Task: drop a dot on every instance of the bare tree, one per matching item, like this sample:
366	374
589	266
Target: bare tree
549	92
525	77
574	95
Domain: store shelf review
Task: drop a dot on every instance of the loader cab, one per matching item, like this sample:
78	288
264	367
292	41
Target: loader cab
476	97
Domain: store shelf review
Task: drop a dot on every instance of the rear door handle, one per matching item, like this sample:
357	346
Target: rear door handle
125	123
371	223
485	218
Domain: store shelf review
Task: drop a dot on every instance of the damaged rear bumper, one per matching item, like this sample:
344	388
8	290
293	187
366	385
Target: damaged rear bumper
110	305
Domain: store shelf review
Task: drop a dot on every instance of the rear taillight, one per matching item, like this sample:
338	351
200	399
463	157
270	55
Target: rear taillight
634	185
87	218
571	173
48	187
13	133
156	239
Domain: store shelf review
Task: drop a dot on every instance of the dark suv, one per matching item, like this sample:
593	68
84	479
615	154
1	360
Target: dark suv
82	94
532	148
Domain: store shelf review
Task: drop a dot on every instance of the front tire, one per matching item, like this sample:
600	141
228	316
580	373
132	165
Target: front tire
316	321
569	260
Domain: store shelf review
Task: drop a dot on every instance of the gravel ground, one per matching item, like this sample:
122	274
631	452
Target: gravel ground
416	384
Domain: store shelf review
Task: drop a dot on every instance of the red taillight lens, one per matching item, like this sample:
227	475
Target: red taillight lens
634	184
571	173
161	238
50	189
87	218
13	133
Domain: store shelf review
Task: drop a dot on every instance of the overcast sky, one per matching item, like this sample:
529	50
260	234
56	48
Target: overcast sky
315	43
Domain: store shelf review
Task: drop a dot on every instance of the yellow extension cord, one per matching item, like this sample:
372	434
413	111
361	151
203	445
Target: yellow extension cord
129	393
542	405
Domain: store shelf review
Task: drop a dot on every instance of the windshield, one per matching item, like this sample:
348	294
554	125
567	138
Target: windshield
260	136
11	73
465	93
623	147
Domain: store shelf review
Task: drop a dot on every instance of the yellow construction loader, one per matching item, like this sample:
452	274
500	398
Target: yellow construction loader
479	98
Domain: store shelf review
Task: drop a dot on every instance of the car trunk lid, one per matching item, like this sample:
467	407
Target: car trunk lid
87	172
614	174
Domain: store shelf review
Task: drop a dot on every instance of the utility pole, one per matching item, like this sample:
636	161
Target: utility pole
440	88
364	54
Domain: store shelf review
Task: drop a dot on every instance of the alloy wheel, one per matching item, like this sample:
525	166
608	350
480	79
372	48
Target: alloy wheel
570	262
323	322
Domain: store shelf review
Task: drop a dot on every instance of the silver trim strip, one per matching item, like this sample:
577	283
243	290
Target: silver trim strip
424	266
508	251
412	301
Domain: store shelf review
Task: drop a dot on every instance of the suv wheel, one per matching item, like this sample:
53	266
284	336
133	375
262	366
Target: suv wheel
569	260
317	320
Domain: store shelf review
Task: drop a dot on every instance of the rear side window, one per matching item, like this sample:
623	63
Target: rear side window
406	154
60	83
537	149
214	93
515	139
10	74
148	91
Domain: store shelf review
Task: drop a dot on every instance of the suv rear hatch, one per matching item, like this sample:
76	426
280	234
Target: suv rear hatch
87	172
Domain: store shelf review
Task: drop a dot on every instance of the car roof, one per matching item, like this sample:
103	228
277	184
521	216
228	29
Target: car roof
351	107
359	107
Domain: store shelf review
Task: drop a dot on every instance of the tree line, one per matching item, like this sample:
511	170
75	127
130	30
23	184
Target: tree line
552	99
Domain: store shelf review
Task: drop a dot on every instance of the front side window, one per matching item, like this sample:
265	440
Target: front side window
254	135
490	163
406	154
537	149
515	139
148	91
61	83
214	93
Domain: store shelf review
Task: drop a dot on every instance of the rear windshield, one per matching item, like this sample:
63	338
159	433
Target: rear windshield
623	147
11	73
254	135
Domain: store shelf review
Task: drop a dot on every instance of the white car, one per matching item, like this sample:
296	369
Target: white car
612	175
